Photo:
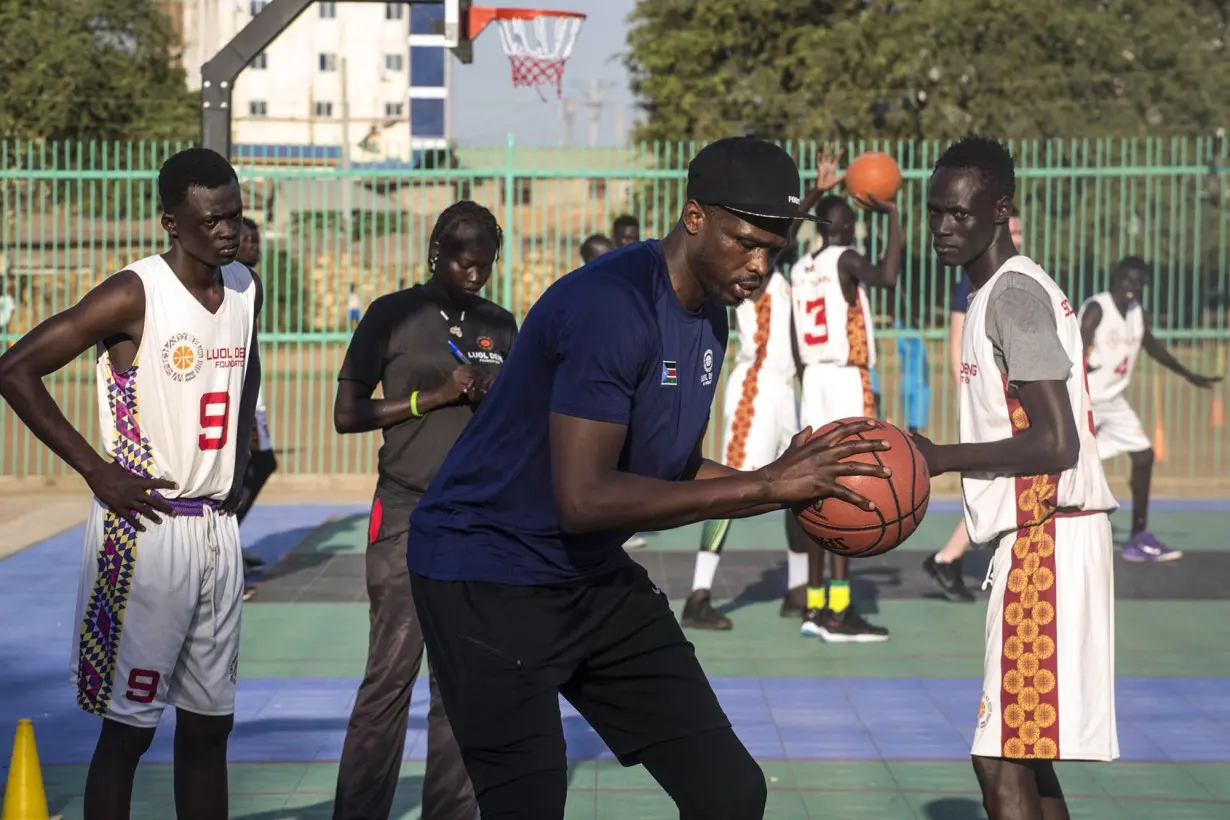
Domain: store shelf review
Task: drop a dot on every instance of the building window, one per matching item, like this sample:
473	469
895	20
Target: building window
328	62
328	9
394	11
324	110
426	119
427	66
257	6
394	109
394	62
258	108
426	19
260	62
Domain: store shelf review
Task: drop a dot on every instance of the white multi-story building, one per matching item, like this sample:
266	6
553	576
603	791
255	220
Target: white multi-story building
380	66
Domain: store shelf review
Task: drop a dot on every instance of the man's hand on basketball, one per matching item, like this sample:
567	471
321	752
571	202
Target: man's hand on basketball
930	451
875	205
129	496
810	468
827	160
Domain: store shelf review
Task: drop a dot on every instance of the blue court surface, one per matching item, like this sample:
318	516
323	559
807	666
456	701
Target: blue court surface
911	701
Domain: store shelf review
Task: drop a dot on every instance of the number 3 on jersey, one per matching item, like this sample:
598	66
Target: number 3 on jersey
215	421
1122	369
820	322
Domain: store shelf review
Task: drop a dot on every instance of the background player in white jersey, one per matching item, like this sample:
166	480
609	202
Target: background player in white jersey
1115	329
1033	486
263	463
836	345
162	573
760	418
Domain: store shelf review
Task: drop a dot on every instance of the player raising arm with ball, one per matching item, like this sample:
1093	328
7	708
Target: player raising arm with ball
1033	487
593	432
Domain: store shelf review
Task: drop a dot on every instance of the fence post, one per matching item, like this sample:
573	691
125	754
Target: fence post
512	245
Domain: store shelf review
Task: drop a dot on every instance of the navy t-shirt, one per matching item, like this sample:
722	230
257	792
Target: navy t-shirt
609	342
960	294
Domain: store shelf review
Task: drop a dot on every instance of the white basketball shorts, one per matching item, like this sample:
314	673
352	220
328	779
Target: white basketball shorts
760	420
1117	429
158	615
836	391
1048	687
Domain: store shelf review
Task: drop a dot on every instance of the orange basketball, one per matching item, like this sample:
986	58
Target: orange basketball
901	500
874	173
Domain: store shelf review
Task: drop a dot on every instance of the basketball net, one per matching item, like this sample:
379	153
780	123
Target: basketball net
538	45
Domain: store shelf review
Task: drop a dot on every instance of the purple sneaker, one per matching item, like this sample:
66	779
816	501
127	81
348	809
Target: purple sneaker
1144	548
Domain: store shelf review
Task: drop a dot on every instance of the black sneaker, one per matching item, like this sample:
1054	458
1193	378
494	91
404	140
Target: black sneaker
844	627
948	578
794	604
252	562
698	613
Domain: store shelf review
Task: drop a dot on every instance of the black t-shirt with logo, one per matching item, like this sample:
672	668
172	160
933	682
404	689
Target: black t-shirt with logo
402	343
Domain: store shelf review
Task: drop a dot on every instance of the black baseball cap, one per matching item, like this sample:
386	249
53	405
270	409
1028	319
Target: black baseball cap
748	176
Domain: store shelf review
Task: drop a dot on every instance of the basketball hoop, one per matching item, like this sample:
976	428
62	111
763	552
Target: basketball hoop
538	42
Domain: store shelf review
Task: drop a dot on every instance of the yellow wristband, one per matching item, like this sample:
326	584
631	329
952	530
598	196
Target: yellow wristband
414	405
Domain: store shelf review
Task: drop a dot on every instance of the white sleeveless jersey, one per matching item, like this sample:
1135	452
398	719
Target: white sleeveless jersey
996	504
1116	345
822	315
175	413
763	326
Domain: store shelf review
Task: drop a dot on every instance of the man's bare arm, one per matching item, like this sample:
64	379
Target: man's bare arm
883	273
1091	317
112	313
113	310
593	495
1158	352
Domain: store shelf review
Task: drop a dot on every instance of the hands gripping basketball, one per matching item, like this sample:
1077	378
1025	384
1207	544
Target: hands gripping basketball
809	469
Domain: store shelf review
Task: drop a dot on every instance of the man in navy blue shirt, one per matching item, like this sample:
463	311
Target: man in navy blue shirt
593	432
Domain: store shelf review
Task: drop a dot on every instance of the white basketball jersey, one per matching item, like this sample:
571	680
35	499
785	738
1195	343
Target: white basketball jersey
763	327
988	413
826	327
1116	344
175	413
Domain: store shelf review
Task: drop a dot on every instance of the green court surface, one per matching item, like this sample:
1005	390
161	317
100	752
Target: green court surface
304	646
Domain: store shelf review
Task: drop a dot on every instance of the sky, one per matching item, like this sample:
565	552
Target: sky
486	106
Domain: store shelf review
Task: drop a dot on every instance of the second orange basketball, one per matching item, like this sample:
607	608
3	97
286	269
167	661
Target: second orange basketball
874	173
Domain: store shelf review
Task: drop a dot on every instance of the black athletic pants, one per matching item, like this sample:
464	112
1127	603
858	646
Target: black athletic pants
503	655
376	736
261	465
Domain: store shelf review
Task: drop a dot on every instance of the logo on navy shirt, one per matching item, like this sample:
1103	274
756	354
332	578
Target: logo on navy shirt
670	374
706	378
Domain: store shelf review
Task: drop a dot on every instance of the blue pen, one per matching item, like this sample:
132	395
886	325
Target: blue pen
457	354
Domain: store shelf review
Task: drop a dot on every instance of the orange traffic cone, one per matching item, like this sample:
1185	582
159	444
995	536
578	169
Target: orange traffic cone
24	797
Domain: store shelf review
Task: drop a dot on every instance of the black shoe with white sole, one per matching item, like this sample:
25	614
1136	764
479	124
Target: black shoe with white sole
949	579
698	613
846	626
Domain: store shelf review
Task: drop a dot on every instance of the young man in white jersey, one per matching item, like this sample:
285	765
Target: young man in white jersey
1033	488
836	347
760	418
945	566
1114	329
162	570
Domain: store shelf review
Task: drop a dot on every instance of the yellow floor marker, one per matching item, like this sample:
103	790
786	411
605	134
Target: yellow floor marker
24	797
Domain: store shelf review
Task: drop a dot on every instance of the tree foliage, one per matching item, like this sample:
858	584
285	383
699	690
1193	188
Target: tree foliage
91	70
800	69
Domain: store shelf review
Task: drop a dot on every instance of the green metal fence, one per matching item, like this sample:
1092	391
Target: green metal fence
73	213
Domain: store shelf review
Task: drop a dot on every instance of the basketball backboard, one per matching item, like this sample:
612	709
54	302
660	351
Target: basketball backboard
456	35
